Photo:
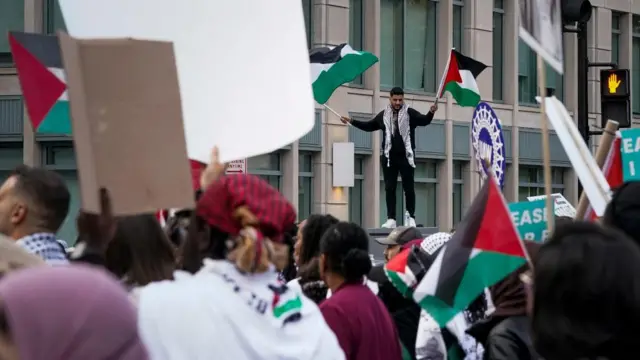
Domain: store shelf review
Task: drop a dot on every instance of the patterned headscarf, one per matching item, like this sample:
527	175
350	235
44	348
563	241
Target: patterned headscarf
250	211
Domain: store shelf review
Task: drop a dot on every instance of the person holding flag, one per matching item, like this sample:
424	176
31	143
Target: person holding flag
398	123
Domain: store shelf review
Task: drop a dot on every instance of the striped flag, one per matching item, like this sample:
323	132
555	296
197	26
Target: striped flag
42	79
484	249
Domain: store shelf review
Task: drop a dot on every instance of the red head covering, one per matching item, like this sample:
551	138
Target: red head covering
274	213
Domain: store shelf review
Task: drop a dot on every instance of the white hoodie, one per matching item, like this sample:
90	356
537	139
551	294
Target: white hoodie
221	313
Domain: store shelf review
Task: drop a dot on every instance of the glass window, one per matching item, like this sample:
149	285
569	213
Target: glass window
305	185
426	184
356	26
268	167
615	37
635	66
53	19
11	19
531	181
498	50
458	191
458	24
307	8
356	199
408	44
528	77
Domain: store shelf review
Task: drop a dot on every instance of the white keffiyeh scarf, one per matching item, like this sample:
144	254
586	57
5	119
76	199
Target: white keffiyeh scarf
403	128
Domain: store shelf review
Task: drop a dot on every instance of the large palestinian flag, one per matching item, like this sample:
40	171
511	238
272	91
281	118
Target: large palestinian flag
334	66
485	249
40	71
460	79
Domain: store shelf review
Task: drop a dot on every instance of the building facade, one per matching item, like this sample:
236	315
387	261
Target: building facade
412	38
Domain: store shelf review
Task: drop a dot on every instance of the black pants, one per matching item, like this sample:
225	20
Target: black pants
398	165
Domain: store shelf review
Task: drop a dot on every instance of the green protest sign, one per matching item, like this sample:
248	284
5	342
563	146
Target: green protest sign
630	151
530	218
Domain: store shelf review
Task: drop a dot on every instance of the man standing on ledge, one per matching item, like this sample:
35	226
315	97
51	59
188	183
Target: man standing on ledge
398	123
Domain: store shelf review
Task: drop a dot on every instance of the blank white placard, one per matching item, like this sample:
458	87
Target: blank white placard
343	164
243	66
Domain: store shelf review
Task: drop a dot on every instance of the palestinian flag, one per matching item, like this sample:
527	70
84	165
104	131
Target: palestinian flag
484	249
460	79
41	75
612	170
333	66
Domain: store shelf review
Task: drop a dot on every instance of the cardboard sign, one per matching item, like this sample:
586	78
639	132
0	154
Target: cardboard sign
630	150
530	218
245	79
561	206
126	119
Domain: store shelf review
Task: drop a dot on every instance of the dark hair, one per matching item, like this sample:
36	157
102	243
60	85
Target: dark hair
562	220
311	283
315	226
203	241
623	210
586	294
140	251
346	248
396	91
290	272
47	192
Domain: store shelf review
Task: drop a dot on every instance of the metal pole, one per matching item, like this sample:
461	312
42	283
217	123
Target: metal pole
583	91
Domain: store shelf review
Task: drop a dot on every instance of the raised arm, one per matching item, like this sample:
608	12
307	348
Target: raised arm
418	119
368	126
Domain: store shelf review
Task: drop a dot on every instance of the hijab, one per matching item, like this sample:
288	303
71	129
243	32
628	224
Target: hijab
71	312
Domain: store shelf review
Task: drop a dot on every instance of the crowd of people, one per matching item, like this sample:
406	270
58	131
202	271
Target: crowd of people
237	278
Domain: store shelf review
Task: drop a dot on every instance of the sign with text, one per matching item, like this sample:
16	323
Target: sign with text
562	206
615	83
630	151
237	167
530	218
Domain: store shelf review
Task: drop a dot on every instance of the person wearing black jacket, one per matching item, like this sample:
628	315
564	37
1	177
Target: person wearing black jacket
398	123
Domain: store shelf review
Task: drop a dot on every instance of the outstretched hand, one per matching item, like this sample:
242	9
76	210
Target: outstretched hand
213	171
97	230
345	120
433	108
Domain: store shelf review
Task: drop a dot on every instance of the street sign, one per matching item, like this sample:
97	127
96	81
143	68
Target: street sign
615	83
237	167
630	150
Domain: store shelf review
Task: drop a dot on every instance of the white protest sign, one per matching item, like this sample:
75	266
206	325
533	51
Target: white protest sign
593	181
244	75
541	29
562	206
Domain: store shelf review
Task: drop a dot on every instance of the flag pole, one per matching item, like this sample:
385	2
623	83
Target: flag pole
334	112
444	75
546	157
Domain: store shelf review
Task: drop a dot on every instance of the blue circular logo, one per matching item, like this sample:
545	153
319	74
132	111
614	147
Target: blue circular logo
488	141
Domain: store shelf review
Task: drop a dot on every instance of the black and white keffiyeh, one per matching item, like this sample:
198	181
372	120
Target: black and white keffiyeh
403	128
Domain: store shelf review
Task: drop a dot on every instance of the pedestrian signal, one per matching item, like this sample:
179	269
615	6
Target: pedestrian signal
615	83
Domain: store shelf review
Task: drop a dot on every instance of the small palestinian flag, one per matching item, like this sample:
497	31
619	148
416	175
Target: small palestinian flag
41	74
460	79
612	171
484	249
334	66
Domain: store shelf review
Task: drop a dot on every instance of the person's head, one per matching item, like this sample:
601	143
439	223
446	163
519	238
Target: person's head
243	219
397	238
586	294
66	312
32	200
140	251
396	98
315	226
623	211
298	242
344	254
